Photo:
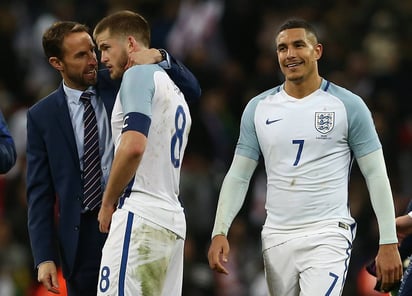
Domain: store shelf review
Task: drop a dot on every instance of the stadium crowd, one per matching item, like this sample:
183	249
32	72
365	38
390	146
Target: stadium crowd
229	46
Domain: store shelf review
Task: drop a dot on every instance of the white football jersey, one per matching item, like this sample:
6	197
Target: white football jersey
150	102
308	146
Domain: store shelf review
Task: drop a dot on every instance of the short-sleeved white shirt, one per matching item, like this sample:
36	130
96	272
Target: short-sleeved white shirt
149	102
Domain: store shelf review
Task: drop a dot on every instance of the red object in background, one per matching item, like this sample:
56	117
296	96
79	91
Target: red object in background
366	284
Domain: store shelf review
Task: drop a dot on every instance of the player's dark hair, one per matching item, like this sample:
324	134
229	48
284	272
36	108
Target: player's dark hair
124	23
296	23
54	36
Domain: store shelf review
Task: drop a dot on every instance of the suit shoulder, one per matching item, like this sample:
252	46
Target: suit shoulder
45	103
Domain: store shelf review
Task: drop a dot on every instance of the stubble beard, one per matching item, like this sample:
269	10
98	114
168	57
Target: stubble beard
121	67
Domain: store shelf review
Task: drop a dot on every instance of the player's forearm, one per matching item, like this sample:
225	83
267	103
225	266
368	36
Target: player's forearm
233	193
124	167
374	170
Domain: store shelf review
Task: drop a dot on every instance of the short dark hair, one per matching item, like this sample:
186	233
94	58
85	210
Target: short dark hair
124	23
296	23
54	36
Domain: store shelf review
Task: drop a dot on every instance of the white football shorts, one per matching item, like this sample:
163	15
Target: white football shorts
311	265
140	258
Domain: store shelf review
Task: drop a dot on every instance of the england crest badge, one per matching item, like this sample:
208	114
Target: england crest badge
324	121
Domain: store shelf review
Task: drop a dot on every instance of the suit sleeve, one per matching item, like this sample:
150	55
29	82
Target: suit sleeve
7	148
40	197
184	79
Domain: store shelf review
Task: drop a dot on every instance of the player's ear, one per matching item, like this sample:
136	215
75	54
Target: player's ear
318	51
132	44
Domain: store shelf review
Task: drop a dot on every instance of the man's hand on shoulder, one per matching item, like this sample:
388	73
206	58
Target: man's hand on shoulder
144	57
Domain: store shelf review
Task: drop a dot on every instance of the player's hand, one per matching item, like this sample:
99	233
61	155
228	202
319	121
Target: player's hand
47	275
142	57
388	266
105	217
218	253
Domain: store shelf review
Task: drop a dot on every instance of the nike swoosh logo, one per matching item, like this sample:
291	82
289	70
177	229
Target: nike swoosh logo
272	121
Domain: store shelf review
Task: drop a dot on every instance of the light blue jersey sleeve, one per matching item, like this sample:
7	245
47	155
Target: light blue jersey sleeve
362	136
136	94
248	144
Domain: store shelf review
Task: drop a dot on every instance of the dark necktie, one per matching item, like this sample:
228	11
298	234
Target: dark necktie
92	190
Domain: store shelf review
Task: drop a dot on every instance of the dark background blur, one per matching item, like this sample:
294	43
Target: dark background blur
229	46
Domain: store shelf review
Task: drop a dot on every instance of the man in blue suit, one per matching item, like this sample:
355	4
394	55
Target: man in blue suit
59	226
7	147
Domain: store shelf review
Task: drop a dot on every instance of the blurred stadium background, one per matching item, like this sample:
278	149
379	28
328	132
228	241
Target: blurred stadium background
229	46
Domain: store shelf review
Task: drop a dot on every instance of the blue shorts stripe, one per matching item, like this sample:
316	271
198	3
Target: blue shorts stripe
348	253
125	253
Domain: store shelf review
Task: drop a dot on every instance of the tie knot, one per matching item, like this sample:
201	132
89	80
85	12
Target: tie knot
86	96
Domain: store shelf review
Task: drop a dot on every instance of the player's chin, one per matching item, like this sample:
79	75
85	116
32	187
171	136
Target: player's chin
294	77
115	74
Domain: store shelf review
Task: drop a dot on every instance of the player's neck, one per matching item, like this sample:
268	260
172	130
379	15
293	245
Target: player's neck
302	88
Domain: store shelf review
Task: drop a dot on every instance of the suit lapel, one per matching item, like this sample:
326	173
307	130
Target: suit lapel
63	119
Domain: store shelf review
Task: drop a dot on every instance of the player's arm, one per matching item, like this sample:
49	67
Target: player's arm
388	261
231	199
178	72
127	159
136	94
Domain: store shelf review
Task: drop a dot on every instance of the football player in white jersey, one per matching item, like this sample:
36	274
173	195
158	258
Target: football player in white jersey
143	254
308	131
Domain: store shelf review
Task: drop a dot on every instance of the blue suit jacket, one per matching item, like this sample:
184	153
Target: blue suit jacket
54	184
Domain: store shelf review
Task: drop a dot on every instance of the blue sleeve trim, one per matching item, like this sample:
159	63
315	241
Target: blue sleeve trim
326	86
135	121
362	135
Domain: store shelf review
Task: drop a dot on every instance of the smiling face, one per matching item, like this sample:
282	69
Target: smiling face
298	53
78	65
114	53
